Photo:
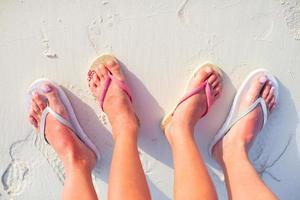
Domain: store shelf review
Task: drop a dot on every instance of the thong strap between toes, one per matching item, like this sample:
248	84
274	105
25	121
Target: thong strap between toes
107	83
205	85
260	101
59	118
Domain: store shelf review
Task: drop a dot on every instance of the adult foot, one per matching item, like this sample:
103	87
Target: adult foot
240	136
67	145
116	104
191	110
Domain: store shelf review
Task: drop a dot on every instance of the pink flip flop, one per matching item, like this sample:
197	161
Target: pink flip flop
102	60
203	86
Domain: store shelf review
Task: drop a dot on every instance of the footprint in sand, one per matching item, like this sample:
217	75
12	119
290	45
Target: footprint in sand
16	176
99	30
292	16
24	160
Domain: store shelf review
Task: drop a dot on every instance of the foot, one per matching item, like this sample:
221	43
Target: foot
116	104
241	135
191	110
70	149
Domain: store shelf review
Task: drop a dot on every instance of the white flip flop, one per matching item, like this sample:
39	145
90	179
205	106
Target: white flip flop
234	116
73	123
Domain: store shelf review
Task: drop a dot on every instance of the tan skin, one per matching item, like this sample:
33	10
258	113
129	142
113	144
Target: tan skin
78	159
192	180
127	179
242	181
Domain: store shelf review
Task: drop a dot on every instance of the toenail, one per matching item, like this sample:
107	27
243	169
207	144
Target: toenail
263	79
46	89
111	62
90	74
208	70
33	121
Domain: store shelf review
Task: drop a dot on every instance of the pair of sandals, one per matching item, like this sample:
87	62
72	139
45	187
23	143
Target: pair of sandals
233	117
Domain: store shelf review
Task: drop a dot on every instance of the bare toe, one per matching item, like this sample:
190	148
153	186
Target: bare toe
54	102
216	83
33	116
212	79
270	95
33	121
218	90
273	106
255	89
266	90
102	70
272	102
35	108
204	74
114	67
39	101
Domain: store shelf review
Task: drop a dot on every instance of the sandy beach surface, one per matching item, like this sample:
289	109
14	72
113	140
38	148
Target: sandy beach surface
159	43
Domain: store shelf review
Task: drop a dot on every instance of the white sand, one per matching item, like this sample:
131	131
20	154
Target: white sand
160	42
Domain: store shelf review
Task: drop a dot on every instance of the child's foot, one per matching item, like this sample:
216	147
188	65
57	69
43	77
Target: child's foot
116	104
71	150
244	131
191	110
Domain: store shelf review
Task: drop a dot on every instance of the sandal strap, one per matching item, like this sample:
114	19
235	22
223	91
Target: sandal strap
107	83
58	117
260	101
205	85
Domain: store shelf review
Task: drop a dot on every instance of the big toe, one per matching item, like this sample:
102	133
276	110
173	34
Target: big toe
53	98
204	74
113	67
207	73
38	102
256	87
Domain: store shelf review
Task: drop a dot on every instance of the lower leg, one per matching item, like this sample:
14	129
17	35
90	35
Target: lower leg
78	184
192	180
242	180
77	158
78	168
127	179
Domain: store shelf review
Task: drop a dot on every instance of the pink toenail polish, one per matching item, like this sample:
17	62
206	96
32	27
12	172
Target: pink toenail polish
46	89
262	79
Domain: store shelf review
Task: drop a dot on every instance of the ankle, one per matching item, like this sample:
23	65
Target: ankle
75	157
233	150
124	121
71	169
178	131
78	162
125	131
